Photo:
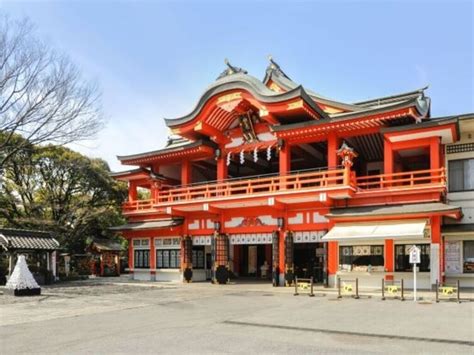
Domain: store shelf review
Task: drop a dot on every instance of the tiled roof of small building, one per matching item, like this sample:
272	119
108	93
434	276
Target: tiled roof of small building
21	239
106	245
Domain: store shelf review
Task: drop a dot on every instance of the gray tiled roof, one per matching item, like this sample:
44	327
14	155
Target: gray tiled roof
154	224
106	245
20	239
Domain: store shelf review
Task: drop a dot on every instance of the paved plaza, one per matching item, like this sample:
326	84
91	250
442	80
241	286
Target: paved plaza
104	317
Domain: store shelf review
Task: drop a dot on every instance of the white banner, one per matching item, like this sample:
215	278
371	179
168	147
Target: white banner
254	238
309	237
202	240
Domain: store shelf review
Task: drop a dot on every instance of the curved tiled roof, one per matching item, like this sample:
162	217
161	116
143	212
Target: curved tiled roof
248	83
21	239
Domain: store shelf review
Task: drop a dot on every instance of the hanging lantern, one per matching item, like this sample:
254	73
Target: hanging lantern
242	158
255	155
269	153
228	158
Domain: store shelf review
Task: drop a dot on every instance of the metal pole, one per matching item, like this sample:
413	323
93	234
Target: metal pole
312	282
339	287
414	282
296	286
383	290
459	292
357	289
403	292
437	288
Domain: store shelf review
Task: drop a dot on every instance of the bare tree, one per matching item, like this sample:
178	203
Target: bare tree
43	97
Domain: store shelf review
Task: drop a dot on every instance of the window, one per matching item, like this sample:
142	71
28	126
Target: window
198	258
168	259
141	259
141	243
468	256
461	175
402	257
360	257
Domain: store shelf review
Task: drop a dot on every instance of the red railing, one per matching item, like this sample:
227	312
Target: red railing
298	181
295	182
252	186
409	179
139	205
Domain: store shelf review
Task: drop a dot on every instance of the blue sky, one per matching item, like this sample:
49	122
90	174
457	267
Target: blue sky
153	59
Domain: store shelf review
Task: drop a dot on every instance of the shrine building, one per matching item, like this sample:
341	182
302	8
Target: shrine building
268	180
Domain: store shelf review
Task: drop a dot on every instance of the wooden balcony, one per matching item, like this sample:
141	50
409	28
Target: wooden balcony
404	180
253	187
337	183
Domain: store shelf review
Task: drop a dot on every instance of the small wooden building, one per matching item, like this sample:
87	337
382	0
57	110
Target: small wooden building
40	249
105	257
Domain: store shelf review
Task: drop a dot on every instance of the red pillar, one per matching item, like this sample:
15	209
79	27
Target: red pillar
333	254
333	145
186	172
389	257
435	156
281	263
387	157
285	159
285	168
132	191
436	244
332	248
222	170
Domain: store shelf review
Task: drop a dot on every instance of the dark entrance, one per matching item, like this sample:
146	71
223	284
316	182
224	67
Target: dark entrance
250	259
309	259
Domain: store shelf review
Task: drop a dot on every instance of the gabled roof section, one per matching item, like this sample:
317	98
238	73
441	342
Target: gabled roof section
385	112
242	81
231	70
392	98
274	74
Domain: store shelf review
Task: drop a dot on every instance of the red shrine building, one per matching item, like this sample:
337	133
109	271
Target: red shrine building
270	180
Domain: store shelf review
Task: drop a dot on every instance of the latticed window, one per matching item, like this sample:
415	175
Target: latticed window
402	257
198	258
168	258
141	259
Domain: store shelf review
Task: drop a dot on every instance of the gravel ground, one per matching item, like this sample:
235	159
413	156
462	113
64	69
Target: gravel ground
116	316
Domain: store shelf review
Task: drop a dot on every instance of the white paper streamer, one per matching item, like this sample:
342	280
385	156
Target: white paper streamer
21	277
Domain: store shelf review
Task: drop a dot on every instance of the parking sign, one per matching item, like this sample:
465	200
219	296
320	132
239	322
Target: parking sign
415	257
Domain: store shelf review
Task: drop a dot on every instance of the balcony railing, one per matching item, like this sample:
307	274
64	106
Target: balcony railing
296	182
403	180
240	187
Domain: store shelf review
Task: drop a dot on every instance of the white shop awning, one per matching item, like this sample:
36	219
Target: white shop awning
414	229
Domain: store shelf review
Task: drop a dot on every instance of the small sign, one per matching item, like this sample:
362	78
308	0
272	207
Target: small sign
415	255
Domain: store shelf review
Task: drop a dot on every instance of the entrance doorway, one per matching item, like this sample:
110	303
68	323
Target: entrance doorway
309	260
249	260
